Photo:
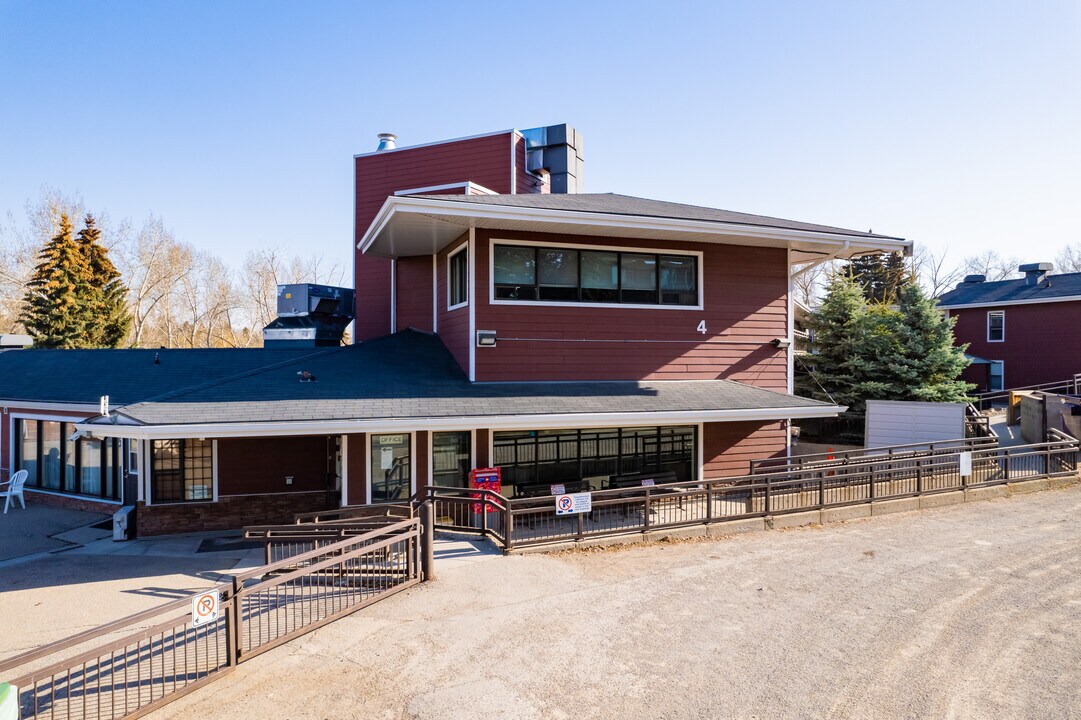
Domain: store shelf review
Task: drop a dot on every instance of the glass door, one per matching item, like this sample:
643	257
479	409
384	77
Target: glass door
451	459
391	471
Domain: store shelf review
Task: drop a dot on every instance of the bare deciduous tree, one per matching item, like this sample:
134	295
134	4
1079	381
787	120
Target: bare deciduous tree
992	265
1069	259
933	270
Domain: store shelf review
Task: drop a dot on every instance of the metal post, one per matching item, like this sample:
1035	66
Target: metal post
508	527
821	489
427	540
645	513
765	500
1006	465
233	633
709	502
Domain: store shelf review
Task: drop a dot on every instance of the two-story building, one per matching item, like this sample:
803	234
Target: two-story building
503	318
1020	332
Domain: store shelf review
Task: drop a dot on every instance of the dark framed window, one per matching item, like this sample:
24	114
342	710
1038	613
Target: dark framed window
452	458
458	278
996	326
547	274
181	470
55	462
533	459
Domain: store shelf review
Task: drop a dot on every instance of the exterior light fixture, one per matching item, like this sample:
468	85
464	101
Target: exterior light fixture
780	343
485	338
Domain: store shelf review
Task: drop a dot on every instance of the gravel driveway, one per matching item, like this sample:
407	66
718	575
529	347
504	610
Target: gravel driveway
969	611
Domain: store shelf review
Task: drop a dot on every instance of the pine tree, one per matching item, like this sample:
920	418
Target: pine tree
106	297
881	276
931	361
54	308
835	324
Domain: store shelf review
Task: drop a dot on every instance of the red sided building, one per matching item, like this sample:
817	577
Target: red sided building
504	318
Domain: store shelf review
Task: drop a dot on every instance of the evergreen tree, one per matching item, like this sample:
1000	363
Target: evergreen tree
54	308
881	276
873	351
932	363
835	327
106	295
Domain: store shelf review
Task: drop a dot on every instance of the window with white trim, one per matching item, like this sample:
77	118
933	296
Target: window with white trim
458	278
181	470
996	326
547	274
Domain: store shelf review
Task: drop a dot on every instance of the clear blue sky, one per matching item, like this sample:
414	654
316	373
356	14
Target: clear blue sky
948	123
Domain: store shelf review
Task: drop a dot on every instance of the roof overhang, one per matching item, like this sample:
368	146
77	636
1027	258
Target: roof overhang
495	422
411	226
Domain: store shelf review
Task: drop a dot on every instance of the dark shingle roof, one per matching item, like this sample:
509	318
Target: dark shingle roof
412	375
615	204
126	376
1054	287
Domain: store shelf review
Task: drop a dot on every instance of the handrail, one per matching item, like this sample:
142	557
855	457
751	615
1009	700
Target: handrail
874	453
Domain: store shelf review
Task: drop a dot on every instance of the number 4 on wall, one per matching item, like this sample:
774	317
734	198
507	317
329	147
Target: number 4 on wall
702	327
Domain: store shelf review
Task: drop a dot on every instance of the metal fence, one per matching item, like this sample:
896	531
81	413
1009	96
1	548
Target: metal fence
129	667
869	479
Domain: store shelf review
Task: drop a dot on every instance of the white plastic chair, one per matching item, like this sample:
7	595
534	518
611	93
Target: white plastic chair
14	489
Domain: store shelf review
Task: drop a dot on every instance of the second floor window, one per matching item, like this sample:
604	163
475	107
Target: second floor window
594	276
458	274
996	326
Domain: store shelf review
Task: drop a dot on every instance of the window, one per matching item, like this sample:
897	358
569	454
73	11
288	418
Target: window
594	276
997	375
531	461
996	326
390	467
57	463
458	274
451	459
182	470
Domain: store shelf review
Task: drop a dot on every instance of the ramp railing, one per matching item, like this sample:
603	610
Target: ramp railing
131	666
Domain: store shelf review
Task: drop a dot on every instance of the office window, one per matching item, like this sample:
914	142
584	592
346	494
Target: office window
182	470
594	276
458	282
451	458
55	462
996	326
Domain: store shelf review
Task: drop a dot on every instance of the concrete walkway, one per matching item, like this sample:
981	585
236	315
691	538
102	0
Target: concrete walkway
42	529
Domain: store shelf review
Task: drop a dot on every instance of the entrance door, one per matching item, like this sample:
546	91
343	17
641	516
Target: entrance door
997	376
391	470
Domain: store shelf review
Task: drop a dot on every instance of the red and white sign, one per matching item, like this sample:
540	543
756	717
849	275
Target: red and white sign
574	503
204	608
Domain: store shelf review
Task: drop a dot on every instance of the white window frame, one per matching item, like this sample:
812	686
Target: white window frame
698	254
464	247
412	462
996	312
431	451
1001	364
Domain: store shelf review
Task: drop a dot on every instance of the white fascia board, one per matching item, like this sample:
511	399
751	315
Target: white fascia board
1007	303
453	209
495	422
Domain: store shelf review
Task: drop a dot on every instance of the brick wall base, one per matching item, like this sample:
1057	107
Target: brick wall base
231	512
70	502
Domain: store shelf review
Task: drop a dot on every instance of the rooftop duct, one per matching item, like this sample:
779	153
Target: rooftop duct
310	316
1036	273
557	151
387	141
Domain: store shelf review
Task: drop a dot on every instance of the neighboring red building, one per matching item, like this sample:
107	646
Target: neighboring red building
1019	332
504	318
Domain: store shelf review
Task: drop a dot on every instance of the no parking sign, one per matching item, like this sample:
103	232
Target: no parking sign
574	503
204	608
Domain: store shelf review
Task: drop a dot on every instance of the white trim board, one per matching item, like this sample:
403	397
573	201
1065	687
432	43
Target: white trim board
495	422
457	211
434	189
434	142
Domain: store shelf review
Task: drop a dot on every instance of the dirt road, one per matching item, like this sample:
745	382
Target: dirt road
970	611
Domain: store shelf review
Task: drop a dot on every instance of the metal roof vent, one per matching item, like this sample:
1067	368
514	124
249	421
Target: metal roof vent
387	141
973	279
1036	273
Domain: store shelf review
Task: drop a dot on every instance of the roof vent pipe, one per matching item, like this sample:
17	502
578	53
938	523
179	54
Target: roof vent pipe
387	141
1035	273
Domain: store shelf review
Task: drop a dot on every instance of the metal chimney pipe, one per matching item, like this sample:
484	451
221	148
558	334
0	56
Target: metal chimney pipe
387	141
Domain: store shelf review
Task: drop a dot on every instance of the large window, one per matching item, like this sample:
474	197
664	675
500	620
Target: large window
458	278
451	459
594	276
57	463
182	470
996	326
531	461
